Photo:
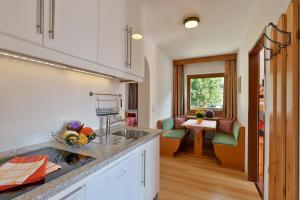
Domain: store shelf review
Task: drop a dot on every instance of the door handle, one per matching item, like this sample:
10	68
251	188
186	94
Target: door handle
130	49
40	24
52	20
122	173
126	45
143	168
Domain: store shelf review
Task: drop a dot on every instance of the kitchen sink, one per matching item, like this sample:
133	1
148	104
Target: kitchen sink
132	134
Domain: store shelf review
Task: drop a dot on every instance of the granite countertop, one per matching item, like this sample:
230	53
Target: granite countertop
104	154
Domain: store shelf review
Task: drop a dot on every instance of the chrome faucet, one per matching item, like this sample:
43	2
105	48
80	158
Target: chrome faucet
109	123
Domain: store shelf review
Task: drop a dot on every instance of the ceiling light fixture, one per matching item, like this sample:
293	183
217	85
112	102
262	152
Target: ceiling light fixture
191	22
137	36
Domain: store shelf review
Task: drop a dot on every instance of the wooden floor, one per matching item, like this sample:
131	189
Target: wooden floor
186	177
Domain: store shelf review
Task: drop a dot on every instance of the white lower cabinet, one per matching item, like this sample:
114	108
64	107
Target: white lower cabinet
150	186
133	177
121	182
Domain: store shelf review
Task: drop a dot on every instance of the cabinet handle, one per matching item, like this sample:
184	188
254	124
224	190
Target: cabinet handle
122	173
144	168
40	24
52	20
72	193
126	46
130	49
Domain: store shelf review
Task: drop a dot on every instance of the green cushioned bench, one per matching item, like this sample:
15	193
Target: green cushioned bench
177	134
230	149
221	138
171	138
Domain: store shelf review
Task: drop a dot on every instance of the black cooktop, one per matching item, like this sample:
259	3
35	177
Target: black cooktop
67	160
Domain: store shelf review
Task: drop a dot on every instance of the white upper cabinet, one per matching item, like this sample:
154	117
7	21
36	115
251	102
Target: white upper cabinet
95	35
118	20
22	19
135	20
71	27
112	38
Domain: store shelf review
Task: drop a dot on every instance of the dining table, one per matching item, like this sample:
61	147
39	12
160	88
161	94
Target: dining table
199	133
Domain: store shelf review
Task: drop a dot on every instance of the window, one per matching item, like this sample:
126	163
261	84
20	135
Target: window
205	91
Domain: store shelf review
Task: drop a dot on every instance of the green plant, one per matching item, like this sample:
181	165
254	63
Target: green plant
207	92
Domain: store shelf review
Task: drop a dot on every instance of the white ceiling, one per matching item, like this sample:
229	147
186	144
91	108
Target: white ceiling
222	25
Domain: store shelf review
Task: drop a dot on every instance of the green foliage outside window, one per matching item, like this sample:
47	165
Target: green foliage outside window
207	93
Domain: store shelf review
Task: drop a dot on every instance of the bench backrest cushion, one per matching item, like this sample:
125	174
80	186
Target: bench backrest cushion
236	130
168	124
225	126
178	121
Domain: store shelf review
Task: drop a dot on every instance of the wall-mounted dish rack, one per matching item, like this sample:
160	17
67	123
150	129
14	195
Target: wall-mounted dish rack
104	111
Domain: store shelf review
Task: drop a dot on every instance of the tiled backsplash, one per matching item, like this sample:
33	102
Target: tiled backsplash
36	99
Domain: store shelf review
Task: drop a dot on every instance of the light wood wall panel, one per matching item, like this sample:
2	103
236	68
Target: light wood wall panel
292	104
284	122
281	112
273	110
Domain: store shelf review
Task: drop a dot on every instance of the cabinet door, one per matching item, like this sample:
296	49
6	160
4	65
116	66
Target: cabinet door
112	38
120	182
72	27
135	18
151	185
20	19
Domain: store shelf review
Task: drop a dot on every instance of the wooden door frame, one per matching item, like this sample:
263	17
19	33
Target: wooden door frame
253	144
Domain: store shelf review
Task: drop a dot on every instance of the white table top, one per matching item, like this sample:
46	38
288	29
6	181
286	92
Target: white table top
206	124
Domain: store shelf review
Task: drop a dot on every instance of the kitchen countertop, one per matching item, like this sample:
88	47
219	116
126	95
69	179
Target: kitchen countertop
105	154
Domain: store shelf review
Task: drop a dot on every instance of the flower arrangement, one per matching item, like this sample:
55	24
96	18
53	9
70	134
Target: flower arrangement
200	115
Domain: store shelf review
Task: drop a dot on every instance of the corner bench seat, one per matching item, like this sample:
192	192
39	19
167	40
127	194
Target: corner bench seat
171	138
221	138
230	149
175	133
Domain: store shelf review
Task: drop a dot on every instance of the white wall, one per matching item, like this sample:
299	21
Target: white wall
161	81
201	68
36	99
144	99
264	14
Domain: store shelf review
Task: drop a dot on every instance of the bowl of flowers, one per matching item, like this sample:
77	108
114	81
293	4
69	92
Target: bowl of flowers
200	115
76	134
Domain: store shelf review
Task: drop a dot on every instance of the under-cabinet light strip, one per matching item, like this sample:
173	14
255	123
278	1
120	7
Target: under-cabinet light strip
40	61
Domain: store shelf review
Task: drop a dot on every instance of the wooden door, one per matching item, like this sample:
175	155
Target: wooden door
19	18
72	27
254	65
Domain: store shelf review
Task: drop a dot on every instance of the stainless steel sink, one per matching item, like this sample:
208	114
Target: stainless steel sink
132	134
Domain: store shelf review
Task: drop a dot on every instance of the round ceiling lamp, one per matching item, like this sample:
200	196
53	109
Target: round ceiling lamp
191	22
137	36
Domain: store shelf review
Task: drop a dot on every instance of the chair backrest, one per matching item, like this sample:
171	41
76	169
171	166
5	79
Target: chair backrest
236	130
166	124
